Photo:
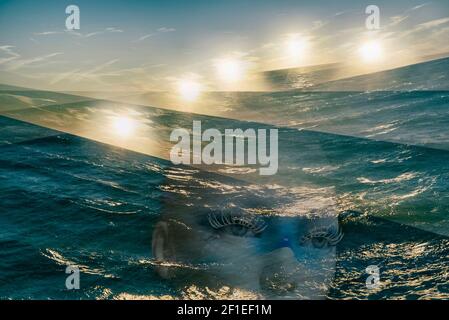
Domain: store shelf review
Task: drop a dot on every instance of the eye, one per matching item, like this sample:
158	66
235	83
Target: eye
322	237
236	224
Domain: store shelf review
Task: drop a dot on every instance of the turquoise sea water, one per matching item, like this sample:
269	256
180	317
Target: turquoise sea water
381	158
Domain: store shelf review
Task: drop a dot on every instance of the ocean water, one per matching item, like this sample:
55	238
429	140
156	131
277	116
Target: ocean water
67	200
371	164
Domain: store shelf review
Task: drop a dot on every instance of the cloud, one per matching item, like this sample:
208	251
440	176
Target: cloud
6	60
318	24
433	23
11	54
25	62
395	20
8	50
146	36
91	34
431	35
160	30
46	33
165	29
420	6
113	29
79	34
78	75
64	76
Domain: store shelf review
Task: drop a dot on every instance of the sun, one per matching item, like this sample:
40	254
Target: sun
295	46
123	126
189	90
229	70
371	51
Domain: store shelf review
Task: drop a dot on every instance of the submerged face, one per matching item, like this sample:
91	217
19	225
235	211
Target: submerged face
271	255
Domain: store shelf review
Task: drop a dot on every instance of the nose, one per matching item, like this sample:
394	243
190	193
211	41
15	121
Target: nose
280	272
284	242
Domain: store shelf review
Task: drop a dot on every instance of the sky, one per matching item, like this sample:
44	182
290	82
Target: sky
216	45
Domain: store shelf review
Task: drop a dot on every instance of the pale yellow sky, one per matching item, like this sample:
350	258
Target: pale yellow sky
213	47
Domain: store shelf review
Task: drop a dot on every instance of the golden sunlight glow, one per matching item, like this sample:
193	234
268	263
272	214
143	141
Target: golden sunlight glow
296	46
123	126
230	70
189	90
371	51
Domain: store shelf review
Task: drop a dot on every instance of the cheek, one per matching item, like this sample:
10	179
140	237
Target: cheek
321	263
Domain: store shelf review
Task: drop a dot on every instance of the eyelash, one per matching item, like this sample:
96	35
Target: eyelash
224	219
332	236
